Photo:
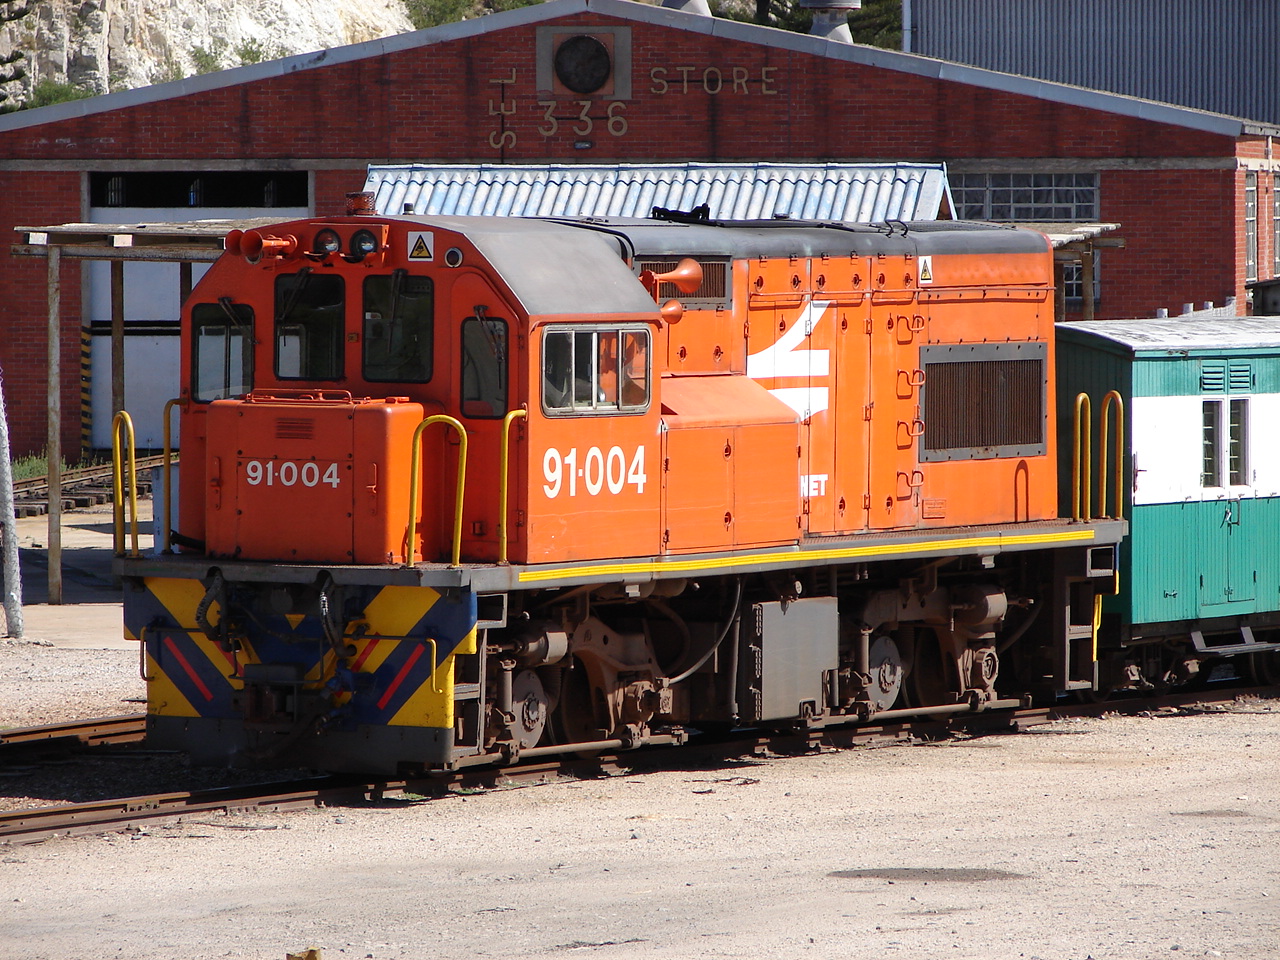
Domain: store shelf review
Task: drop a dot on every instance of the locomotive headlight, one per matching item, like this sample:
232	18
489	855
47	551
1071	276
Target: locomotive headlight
326	242
363	243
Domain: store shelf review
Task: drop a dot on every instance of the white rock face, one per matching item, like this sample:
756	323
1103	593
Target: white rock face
109	45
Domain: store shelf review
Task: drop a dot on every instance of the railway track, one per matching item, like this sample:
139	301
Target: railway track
80	486
80	733
112	815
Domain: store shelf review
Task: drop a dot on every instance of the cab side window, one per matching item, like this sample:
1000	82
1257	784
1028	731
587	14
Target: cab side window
221	350
484	367
399	323
309	326
595	370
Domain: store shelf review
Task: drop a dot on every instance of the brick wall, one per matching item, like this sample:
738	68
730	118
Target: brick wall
694	97
30	200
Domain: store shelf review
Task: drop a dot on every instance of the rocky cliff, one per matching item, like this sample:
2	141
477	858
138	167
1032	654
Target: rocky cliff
107	45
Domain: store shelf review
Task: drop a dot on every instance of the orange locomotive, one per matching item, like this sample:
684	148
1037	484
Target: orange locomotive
461	489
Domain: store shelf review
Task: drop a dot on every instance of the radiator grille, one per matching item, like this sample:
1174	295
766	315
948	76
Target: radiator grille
714	279
295	428
983	408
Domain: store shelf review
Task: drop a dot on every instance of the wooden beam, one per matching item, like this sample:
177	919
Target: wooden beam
117	336
53	443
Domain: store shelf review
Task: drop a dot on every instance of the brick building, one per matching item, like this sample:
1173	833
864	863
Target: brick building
599	81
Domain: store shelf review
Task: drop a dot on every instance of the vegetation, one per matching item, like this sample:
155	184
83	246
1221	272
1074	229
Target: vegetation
48	92
433	13
878	23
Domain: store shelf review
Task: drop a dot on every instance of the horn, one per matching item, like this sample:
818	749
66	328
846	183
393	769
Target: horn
254	245
232	243
687	276
672	311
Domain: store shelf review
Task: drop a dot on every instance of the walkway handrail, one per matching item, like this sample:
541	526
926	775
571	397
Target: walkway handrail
123	419
1081	456
168	474
1112	399
415	485
510	418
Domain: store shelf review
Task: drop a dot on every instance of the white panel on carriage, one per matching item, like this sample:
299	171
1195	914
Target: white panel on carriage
1166	446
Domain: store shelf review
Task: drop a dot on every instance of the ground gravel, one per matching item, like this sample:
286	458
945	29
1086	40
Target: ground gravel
1122	837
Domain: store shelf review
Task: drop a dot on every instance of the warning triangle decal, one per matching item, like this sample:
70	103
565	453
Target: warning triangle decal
420	250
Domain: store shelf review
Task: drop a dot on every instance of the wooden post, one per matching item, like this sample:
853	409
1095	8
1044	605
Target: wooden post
53	443
1086	281
184	283
1059	292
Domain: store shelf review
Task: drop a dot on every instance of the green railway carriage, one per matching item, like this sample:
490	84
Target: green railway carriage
1200	482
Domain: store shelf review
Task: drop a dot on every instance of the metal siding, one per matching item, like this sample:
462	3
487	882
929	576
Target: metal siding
1216	55
1162	557
860	193
1161	377
1094	366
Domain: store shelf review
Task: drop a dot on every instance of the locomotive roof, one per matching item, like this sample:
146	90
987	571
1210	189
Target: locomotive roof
785	237
1163	336
553	268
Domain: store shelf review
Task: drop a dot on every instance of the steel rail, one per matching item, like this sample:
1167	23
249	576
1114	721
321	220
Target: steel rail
79	476
104	816
24	744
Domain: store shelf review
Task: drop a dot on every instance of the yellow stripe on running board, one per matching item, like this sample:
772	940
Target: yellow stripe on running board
781	559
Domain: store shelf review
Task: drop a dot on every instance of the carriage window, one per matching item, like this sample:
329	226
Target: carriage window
1224	452
398	327
309	321
595	370
221	350
484	367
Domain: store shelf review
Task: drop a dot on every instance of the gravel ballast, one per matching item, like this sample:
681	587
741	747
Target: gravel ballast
1124	837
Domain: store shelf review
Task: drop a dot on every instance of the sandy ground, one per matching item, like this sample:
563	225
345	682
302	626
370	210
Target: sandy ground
1112	838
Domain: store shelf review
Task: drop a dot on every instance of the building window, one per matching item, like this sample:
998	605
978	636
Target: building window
199	188
1031	198
1250	226
1026	196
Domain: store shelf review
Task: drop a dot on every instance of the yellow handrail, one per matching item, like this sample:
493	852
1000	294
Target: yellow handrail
1112	398
415	485
1081	456
168	483
117	480
510	418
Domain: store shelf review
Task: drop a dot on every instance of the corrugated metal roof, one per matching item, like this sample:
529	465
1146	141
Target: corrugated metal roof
1141	336
1215	55
860	193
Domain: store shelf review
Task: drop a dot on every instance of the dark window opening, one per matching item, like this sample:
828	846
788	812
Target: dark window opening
399	322
309	326
221	350
199	188
484	367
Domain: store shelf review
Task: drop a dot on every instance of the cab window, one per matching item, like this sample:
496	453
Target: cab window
221	350
484	367
308	328
595	370
398	328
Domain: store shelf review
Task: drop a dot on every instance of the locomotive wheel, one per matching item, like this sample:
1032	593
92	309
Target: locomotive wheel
926	684
574	720
1264	667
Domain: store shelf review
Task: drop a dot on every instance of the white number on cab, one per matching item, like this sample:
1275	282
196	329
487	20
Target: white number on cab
596	469
290	473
